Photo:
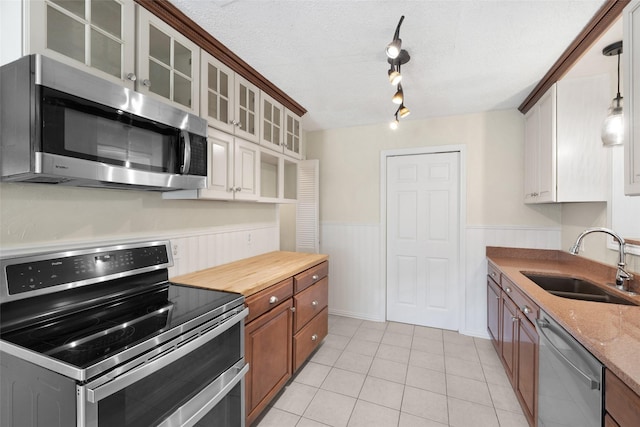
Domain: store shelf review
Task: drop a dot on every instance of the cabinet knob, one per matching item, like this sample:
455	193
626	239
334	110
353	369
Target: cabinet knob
273	300
293	309
493	274
131	77
238	189
314	303
315	277
146	82
508	289
497	296
314	337
526	310
514	319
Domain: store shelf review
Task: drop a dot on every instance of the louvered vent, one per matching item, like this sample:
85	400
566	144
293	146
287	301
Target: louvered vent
307	210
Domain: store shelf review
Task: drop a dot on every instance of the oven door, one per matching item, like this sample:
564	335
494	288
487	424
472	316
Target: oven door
176	384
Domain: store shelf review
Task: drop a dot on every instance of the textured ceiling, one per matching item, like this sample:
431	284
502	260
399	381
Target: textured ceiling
328	55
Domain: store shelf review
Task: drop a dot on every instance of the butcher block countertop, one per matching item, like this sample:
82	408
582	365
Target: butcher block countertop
251	275
611	332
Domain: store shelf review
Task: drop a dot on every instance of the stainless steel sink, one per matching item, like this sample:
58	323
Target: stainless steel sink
574	288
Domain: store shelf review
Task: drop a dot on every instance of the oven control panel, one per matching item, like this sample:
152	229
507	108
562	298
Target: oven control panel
81	267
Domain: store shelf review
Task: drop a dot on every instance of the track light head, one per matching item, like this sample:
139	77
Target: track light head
393	49
394	76
398	98
403	111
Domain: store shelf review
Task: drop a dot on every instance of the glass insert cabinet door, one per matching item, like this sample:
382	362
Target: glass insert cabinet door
217	95
95	35
292	137
168	62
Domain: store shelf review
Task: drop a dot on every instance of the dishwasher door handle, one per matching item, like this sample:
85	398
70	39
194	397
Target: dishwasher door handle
591	382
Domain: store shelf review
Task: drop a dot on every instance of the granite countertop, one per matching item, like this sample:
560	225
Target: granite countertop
611	332
251	275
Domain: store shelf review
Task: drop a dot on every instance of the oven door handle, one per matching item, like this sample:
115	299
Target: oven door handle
191	412
154	361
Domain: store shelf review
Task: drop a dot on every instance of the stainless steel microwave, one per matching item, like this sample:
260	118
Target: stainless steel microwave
60	125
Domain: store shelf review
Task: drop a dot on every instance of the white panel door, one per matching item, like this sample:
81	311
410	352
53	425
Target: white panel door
423	242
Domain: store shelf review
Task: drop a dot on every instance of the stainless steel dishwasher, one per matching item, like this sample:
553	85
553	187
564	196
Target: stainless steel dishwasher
569	379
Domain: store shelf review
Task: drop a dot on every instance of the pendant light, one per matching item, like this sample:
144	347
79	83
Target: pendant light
613	126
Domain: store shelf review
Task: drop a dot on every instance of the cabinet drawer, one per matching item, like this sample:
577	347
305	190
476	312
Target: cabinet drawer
525	305
310	302
620	401
268	298
308	277
309	337
493	272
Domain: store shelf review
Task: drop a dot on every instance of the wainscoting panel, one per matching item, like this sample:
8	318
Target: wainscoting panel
192	250
357	288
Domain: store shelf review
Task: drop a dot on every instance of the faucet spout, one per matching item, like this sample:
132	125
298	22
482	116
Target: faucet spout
622	276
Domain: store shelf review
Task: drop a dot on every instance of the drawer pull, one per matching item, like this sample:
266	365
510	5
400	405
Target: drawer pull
314	303
526	310
273	300
314	337
315	277
508	289
493	274
293	309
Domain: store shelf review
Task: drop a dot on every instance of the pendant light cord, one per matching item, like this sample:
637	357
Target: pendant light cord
618	75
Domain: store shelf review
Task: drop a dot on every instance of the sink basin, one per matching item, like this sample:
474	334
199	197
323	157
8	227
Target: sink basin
571	287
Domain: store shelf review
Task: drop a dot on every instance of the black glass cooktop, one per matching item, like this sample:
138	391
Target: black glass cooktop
83	338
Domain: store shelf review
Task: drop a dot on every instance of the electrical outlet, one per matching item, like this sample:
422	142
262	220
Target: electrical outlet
174	249
249	239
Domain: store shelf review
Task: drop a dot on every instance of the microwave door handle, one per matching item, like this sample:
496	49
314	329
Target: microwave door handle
186	165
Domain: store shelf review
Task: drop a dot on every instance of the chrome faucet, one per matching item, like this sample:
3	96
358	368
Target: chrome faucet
622	276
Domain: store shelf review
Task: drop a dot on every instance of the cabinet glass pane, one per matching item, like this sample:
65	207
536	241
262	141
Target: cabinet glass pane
267	111
224	110
107	15
224	85
212	78
182	59
212	101
276	135
74	6
276	116
106	54
159	46
181	90
289	142
65	35
160	79
251	123
252	100
243	96
266	133
243	119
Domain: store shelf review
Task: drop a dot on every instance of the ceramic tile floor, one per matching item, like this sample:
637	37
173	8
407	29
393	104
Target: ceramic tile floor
374	374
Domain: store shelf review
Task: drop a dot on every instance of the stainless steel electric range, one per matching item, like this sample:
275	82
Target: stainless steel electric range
99	337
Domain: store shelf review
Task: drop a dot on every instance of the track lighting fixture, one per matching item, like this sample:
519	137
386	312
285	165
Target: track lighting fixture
394	48
613	126
398	98
403	111
396	58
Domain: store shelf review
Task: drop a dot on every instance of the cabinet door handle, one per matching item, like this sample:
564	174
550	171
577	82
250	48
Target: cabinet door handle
273	300
131	77
526	310
315	277
314	303
146	82
314	337
508	289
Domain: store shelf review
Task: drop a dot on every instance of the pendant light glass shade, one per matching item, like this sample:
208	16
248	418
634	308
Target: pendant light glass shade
613	126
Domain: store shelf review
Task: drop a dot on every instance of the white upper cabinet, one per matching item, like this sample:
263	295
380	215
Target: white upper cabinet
631	64
292	134
168	63
565	160
97	36
272	115
247	97
217	93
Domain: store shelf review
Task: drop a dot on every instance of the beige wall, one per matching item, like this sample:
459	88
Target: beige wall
40	213
350	167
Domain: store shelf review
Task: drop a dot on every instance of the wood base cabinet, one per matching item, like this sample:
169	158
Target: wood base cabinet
268	347
510	316
622	405
286	324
